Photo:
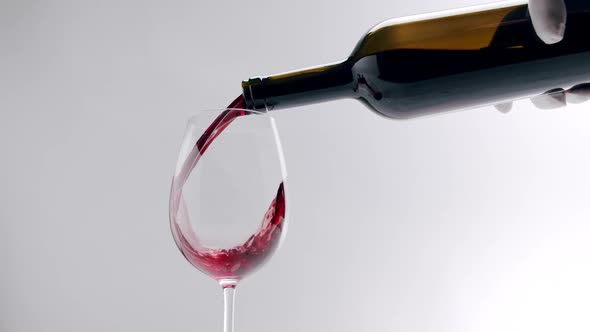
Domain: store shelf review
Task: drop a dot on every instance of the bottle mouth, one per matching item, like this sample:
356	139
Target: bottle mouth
252	88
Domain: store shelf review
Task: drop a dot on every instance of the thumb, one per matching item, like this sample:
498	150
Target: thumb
549	18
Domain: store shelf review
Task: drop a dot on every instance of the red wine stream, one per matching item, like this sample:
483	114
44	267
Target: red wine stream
233	263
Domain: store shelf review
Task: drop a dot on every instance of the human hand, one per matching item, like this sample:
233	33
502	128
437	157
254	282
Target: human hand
555	98
549	20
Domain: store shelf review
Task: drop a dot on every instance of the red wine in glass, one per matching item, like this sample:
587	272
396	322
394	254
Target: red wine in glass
227	265
234	263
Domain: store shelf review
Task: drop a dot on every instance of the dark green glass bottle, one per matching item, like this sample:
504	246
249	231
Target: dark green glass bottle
453	60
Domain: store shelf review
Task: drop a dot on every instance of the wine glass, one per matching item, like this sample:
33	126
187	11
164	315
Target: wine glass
227	202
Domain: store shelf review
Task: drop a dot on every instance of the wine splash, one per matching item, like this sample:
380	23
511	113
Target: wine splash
233	263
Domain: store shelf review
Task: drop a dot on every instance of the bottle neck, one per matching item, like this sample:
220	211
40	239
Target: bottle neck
302	87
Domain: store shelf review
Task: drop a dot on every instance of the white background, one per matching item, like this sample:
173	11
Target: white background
472	221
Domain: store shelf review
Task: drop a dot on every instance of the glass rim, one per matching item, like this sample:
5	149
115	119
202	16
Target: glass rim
198	113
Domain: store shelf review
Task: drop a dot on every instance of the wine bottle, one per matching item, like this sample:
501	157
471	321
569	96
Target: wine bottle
451	60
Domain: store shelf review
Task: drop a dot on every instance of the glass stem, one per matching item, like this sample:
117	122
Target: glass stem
228	307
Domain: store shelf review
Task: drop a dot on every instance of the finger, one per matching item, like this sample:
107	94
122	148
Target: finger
550	99
504	107
578	94
549	18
